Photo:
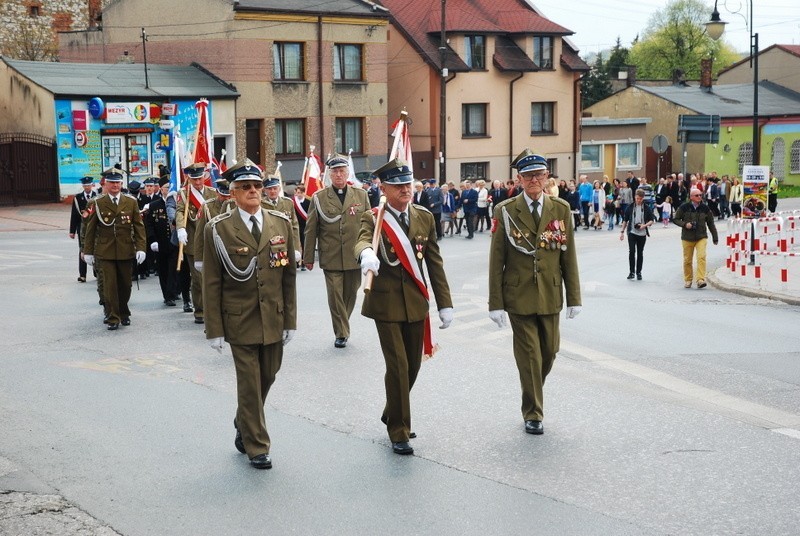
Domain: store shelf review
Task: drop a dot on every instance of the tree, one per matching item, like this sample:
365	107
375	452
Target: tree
31	41
675	38
618	60
597	84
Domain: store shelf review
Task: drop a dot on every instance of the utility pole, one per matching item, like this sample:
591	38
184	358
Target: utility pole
144	50
443	101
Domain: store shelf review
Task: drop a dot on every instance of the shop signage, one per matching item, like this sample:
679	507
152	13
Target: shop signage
80	138
169	108
166	124
80	120
127	112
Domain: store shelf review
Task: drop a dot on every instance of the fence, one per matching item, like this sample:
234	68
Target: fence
762	252
28	170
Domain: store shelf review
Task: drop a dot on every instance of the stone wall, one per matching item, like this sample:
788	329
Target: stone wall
28	27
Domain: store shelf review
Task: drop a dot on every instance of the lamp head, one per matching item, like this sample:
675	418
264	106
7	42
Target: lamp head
716	26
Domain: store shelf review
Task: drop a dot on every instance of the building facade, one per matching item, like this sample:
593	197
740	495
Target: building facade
309	72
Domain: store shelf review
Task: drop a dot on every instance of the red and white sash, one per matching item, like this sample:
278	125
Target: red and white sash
299	208
197	198
405	254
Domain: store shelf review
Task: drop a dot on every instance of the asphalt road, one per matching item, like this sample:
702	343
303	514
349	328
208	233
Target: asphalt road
669	411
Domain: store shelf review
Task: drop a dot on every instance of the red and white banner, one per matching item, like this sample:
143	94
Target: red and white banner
313	173
204	143
401	148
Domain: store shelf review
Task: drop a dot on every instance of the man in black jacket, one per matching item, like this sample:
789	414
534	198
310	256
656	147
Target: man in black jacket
694	217
79	213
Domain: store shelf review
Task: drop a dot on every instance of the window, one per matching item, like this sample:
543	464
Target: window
591	157
542	117
473	120
475	51
745	155
794	157
347	62
287	61
778	160
289	137
552	165
34	10
474	171
348	135
628	155
543	51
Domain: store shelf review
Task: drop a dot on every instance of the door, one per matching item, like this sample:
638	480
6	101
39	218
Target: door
114	152
610	160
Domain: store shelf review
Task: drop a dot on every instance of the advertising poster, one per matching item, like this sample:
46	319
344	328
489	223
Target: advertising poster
755	181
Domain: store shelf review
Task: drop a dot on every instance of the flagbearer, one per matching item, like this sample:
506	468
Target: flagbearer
114	237
333	226
186	223
301	205
78	218
211	209
251	301
398	301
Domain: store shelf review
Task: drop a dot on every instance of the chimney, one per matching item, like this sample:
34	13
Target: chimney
705	74
631	76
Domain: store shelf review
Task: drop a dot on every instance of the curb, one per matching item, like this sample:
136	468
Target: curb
716	282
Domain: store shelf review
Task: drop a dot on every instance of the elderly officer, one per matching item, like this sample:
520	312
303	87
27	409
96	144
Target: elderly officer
333	223
250	300
532	256
273	199
186	223
77	217
398	301
114	237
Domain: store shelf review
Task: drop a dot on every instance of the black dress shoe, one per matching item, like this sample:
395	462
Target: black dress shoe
112	327
105	319
238	443
81	279
126	321
638	277
169	303
534	427
630	275
340	342
198	320
402	447
412	435
187	307
262	461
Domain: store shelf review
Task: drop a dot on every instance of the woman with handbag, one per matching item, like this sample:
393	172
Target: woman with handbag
638	218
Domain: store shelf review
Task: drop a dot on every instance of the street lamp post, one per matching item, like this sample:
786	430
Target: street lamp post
715	27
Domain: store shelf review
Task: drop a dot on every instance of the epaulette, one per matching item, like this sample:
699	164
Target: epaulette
278	213
559	200
505	202
420	207
132	197
221	216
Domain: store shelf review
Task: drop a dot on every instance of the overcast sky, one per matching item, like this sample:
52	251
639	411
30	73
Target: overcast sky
598	23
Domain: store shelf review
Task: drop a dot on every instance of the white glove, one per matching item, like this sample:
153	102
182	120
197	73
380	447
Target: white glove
140	257
498	317
146	207
446	316
198	265
154	247
217	343
288	335
298	256
369	262
88	259
183	238
573	311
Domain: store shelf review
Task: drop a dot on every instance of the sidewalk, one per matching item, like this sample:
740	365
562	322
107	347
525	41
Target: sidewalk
47	217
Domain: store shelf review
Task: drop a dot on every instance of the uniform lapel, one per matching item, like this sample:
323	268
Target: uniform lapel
548	212
265	233
241	231
524	215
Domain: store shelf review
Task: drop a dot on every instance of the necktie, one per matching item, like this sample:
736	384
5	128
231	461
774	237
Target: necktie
535	211
404	221
255	230
116	201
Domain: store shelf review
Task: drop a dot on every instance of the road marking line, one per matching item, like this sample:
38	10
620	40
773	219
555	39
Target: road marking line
771	418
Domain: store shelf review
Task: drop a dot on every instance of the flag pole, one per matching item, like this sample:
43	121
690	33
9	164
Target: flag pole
185	217
376	240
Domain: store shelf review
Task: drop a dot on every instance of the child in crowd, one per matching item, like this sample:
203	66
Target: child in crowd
666	210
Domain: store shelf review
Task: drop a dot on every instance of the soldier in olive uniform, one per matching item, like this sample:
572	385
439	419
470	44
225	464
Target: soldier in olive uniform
399	299
250	300
77	217
186	223
159	236
114	237
333	223
532	257
211	210
272	198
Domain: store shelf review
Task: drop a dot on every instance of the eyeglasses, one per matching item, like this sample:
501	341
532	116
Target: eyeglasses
534	176
248	186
